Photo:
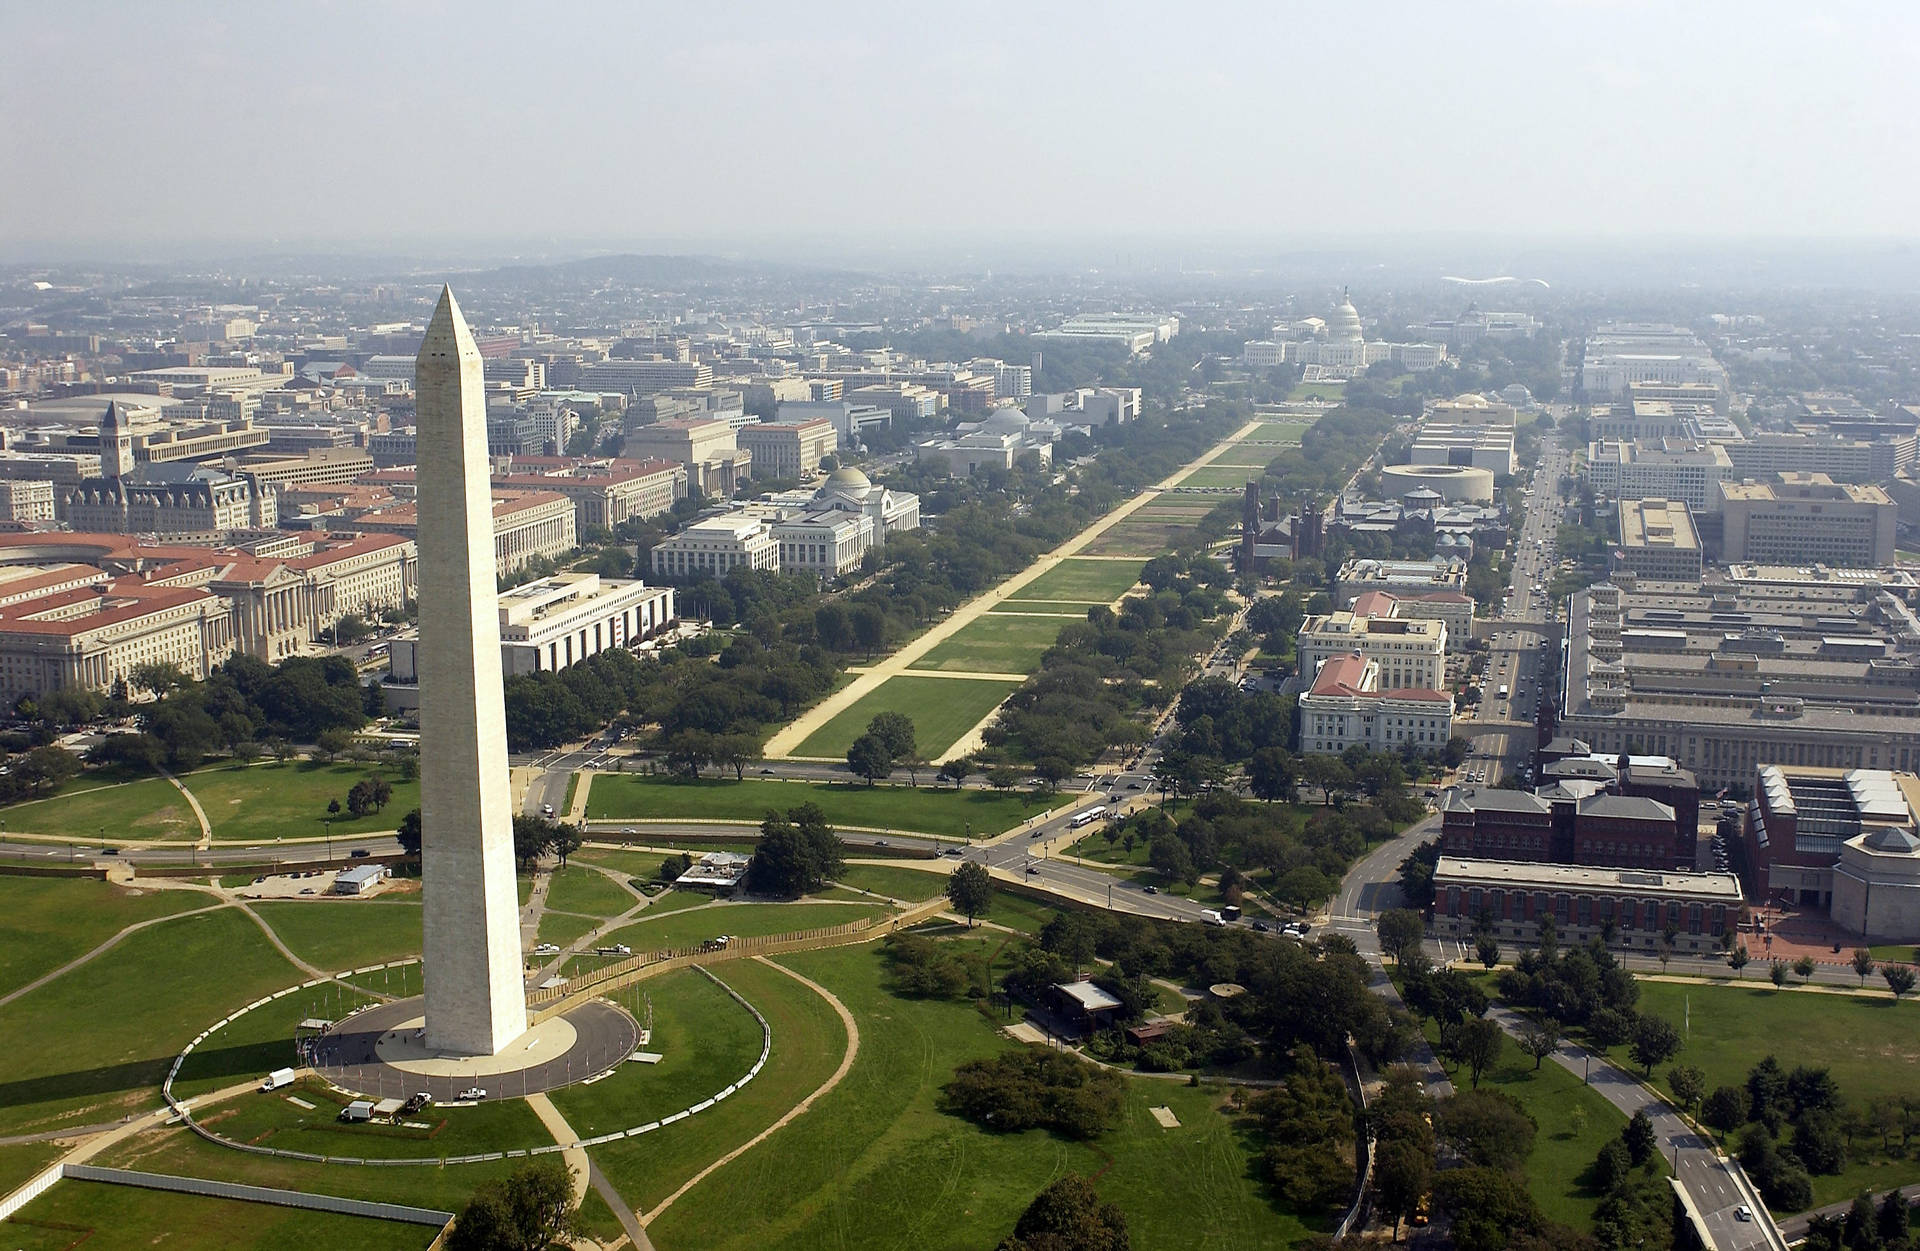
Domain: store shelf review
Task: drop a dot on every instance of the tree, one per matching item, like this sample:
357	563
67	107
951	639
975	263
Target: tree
1738	958
1863	963
1169	857
1476	1044
532	1209
1489	1207
797	853
1640	1137
1540	1040
869	628
331	742
1777	973
1487	947
1689	1085
1068	1216
1402	1177
1899	978
1488	1127
1725	1109
831	626
1655	1041
1271	774
532	836
869	758
1612	1166
970	890
1400	930
1003	777
408	834
896	734
1804	967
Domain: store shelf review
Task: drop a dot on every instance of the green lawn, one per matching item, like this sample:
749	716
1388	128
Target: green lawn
1277	432
337	935
22	1162
45	922
1220	476
88	812
564	928
1058	609
708	1040
644	865
808	1043
1317	391
942	709
1872	1047
123	1218
1560	1155
264	802
271	1119
578	889
924	809
874	1164
991	645
744	920
179	1152
897	883
1249	455
1087	581
95	1042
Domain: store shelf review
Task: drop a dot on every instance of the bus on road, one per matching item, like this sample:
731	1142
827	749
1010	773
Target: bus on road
1086	818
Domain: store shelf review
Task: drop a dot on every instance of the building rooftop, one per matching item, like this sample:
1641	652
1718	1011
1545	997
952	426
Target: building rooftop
1657	523
1558	877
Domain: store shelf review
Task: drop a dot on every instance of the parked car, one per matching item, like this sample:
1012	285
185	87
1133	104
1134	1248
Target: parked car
475	1093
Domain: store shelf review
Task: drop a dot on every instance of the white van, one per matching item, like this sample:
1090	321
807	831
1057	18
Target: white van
277	1079
1212	918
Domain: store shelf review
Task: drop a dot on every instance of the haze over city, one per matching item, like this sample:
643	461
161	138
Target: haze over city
872	131
1038	627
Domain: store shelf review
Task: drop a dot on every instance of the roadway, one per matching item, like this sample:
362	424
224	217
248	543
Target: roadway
1521	630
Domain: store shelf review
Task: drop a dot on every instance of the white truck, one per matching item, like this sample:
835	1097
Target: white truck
277	1079
1210	917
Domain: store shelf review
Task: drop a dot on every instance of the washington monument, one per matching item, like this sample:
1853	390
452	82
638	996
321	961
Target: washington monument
471	941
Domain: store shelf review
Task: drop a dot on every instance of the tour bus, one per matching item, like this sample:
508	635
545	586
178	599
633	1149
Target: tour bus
1086	818
1503	690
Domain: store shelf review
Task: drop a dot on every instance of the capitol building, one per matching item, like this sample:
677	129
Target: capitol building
1339	347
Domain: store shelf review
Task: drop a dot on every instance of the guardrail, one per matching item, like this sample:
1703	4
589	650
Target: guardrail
258	1194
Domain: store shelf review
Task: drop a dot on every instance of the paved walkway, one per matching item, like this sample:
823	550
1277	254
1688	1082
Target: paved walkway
571	1152
193	802
784	743
846	1063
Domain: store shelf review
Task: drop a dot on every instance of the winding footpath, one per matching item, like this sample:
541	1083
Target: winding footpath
825	1088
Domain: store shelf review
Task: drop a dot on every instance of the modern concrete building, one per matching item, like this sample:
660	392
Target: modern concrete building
1348	706
1457	483
1876	885
1670	469
1658	541
470	952
1487	447
1826	837
1800	518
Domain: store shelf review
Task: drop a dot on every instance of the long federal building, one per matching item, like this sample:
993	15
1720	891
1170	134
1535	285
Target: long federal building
1726	677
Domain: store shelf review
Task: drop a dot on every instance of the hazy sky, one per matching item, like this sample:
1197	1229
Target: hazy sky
142	128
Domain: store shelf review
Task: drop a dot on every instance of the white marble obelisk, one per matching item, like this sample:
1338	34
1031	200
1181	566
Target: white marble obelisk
471	945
